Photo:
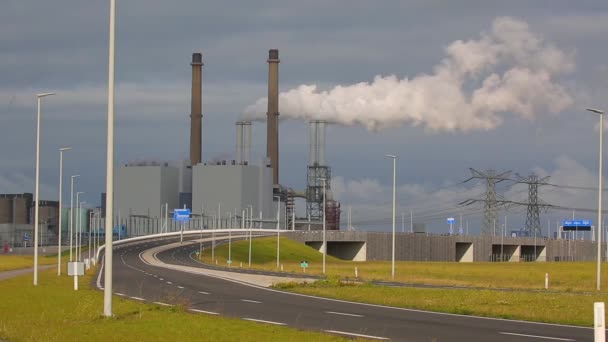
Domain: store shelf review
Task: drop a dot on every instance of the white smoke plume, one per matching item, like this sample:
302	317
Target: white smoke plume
507	70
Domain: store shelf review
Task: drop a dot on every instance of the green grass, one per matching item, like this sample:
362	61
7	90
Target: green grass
14	262
562	308
53	311
571	277
566	303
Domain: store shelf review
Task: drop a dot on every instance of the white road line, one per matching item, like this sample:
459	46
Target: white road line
155	276
262	321
357	335
163	304
536	336
161	279
251	301
169	282
205	312
180	287
343	314
203	292
120	294
137	298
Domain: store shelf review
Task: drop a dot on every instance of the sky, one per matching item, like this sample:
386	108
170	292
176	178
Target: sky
445	86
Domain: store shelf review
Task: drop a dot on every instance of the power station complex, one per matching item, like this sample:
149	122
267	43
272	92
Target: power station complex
230	188
238	193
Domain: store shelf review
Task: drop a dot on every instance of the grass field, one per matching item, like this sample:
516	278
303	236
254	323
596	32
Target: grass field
15	262
566	303
568	277
53	311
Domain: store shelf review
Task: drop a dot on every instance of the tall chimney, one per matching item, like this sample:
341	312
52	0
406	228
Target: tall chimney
196	112
272	122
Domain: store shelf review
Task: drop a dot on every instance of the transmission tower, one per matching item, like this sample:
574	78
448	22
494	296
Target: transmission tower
491	178
533	215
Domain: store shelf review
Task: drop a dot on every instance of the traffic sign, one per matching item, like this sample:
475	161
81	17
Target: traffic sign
181	214
577	225
451	220
304	264
229	261
26	237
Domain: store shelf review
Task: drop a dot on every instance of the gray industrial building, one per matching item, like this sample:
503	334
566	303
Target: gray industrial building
141	190
232	187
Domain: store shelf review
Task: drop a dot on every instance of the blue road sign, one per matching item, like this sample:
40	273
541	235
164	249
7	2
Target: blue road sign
181	214
451	220
576	223
26	237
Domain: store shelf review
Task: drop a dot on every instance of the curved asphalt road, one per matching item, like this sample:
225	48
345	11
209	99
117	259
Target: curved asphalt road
136	279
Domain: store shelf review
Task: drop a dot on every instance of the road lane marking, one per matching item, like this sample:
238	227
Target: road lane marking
203	292
251	301
357	335
263	321
169	283
163	304
205	312
537	336
120	294
343	314
137	298
161	279
180	287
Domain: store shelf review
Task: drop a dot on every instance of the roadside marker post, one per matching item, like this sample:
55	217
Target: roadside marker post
599	322
546	281
304	265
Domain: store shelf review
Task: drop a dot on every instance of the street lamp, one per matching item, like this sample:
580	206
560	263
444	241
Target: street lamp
71	211
107	284
250	226
324	247
77	223
278	218
394	196
36	208
599	197
61	150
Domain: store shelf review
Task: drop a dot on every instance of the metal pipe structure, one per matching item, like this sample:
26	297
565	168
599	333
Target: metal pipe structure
72	212
246	151
196	113
272	122
239	142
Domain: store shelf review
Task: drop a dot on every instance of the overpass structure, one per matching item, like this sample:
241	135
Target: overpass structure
363	246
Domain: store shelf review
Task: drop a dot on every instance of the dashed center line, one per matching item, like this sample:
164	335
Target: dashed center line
343	314
356	335
180	287
251	301
537	336
205	312
263	321
203	292
169	282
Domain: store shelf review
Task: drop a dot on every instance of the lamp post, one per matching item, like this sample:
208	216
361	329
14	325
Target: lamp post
250	226
36	208
324	247
71	211
107	285
76	242
599	197
80	231
61	150
278	218
394	200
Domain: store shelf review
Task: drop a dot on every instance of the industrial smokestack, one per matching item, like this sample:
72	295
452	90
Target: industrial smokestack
239	142
196	113
272	122
246	152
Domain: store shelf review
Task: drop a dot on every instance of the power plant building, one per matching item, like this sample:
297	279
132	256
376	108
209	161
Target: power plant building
232	188
140	190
